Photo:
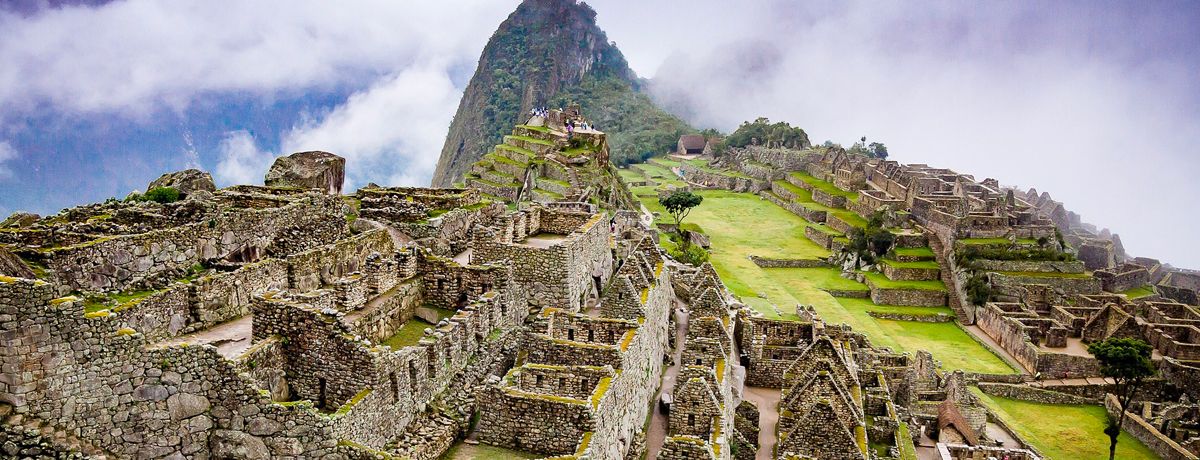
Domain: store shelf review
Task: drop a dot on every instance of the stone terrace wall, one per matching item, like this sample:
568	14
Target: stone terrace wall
324	265
917	297
506	414
766	262
87	375
1009	333
717	180
1028	393
1147	434
1067	285
1028	266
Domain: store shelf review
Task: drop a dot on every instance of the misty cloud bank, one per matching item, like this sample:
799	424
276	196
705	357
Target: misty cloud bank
1097	104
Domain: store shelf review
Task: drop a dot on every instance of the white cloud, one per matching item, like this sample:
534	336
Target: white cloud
7	152
139	55
240	160
390	133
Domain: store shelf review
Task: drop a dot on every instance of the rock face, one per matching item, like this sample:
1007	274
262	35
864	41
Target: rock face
186	181
318	170
20	219
537	58
11	265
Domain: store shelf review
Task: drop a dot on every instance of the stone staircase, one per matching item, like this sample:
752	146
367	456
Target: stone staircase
26	434
957	292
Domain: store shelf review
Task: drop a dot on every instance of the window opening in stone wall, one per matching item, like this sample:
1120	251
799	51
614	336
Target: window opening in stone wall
591	336
321	386
697	361
583	385
562	382
395	388
612	336
691	420
412	375
538	380
570	334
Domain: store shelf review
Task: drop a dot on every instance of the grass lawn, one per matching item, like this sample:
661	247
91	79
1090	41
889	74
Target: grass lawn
918	264
464	451
412	330
850	217
703	166
1139	292
884	283
924	253
741	224
1064	431
630	175
824	186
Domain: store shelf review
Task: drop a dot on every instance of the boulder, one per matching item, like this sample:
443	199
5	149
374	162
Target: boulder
184	405
186	181
313	170
20	219
236	445
12	265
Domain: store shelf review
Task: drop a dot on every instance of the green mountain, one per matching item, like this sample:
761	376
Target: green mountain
549	53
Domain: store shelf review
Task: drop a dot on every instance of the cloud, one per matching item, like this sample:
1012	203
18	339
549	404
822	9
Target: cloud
7	152
138	56
390	133
1096	105
240	160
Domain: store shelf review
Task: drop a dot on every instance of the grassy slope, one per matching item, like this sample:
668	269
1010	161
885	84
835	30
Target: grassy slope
463	451
1064	432
741	224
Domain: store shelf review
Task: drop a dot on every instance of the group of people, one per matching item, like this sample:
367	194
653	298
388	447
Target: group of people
539	112
568	125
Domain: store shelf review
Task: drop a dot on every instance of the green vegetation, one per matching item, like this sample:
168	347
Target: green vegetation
996	241
162	195
413	329
986	251
678	205
823	185
740	224
871	241
1127	362
703	166
1063	431
928	264
765	132
636	128
1139	292
924	253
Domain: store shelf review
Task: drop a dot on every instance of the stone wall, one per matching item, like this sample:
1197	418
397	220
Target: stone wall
1028	266
1066	285
1028	393
324	265
915	297
724	181
94	378
1147	434
766	262
901	273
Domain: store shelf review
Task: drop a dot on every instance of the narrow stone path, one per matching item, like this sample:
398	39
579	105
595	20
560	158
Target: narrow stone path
231	338
463	258
657	433
767	400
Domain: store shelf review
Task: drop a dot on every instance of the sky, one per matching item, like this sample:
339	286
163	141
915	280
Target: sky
1097	103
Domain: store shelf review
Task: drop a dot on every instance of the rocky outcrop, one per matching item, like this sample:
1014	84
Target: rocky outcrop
187	181
11	265
315	170
537	58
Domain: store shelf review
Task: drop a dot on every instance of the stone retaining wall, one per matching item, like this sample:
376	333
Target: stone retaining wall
1028	266
1028	393
912	297
766	262
1146	433
923	318
897	273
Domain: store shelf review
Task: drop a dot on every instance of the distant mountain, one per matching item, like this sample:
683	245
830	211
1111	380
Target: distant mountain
550	53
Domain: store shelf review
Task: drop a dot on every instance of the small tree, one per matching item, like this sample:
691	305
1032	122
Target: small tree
679	204
878	150
1126	361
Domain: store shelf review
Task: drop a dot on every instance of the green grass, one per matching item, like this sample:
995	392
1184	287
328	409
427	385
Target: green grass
1062	431
824	186
530	139
464	451
540	129
495	184
664	161
884	283
851	218
741	224
503	159
929	264
413	329
1048	274
703	166
925	253
1139	292
631	175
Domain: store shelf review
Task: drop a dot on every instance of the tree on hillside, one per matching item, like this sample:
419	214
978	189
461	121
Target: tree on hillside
878	150
679	204
1126	361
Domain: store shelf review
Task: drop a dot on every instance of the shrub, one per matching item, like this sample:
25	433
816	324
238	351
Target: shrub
692	254
978	289
162	195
